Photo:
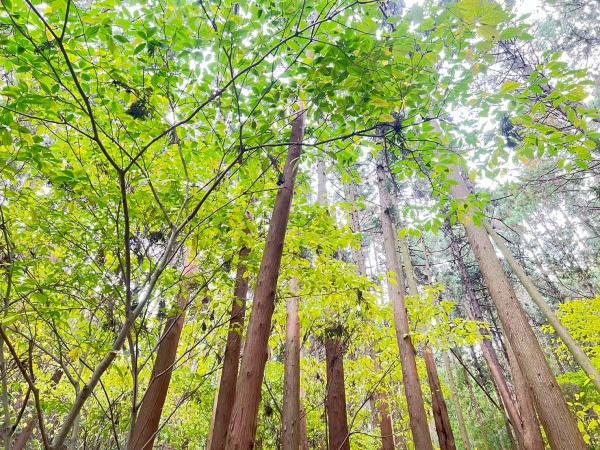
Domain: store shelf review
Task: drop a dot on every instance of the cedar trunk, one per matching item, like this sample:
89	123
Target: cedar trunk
242	428
525	424
290	438
558	421
231	359
411	383
146	425
438	404
335	396
335	402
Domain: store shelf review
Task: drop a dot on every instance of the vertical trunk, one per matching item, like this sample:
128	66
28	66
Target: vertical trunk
242	428
290	438
231	358
438	404
412	385
578	354
379	403
558	421
530	427
303	424
525	426
385	425
455	399
335	401
146	425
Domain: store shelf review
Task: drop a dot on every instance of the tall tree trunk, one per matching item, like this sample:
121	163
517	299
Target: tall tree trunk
231	358
438	404
379	403
526	426
455	399
290	438
303	424
412	385
242	428
335	402
532	438
558	421
146	425
578	354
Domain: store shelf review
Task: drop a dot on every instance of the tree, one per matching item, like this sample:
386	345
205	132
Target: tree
231	358
242	429
410	377
554	414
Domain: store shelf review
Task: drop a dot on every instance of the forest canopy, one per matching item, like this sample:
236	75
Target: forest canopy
283	224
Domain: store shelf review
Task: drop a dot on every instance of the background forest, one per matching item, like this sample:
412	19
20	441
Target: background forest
299	224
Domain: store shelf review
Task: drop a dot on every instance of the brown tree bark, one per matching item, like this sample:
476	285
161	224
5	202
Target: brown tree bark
559	423
290	434
231	358
411	382
303	424
438	404
335	402
242	428
530	427
147	422
524	423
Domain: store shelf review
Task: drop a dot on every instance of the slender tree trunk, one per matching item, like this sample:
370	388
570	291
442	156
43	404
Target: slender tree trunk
231	359
242	428
303	424
525	426
558	421
290	438
146	425
438	404
379	404
455	399
335	402
578	354
412	385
